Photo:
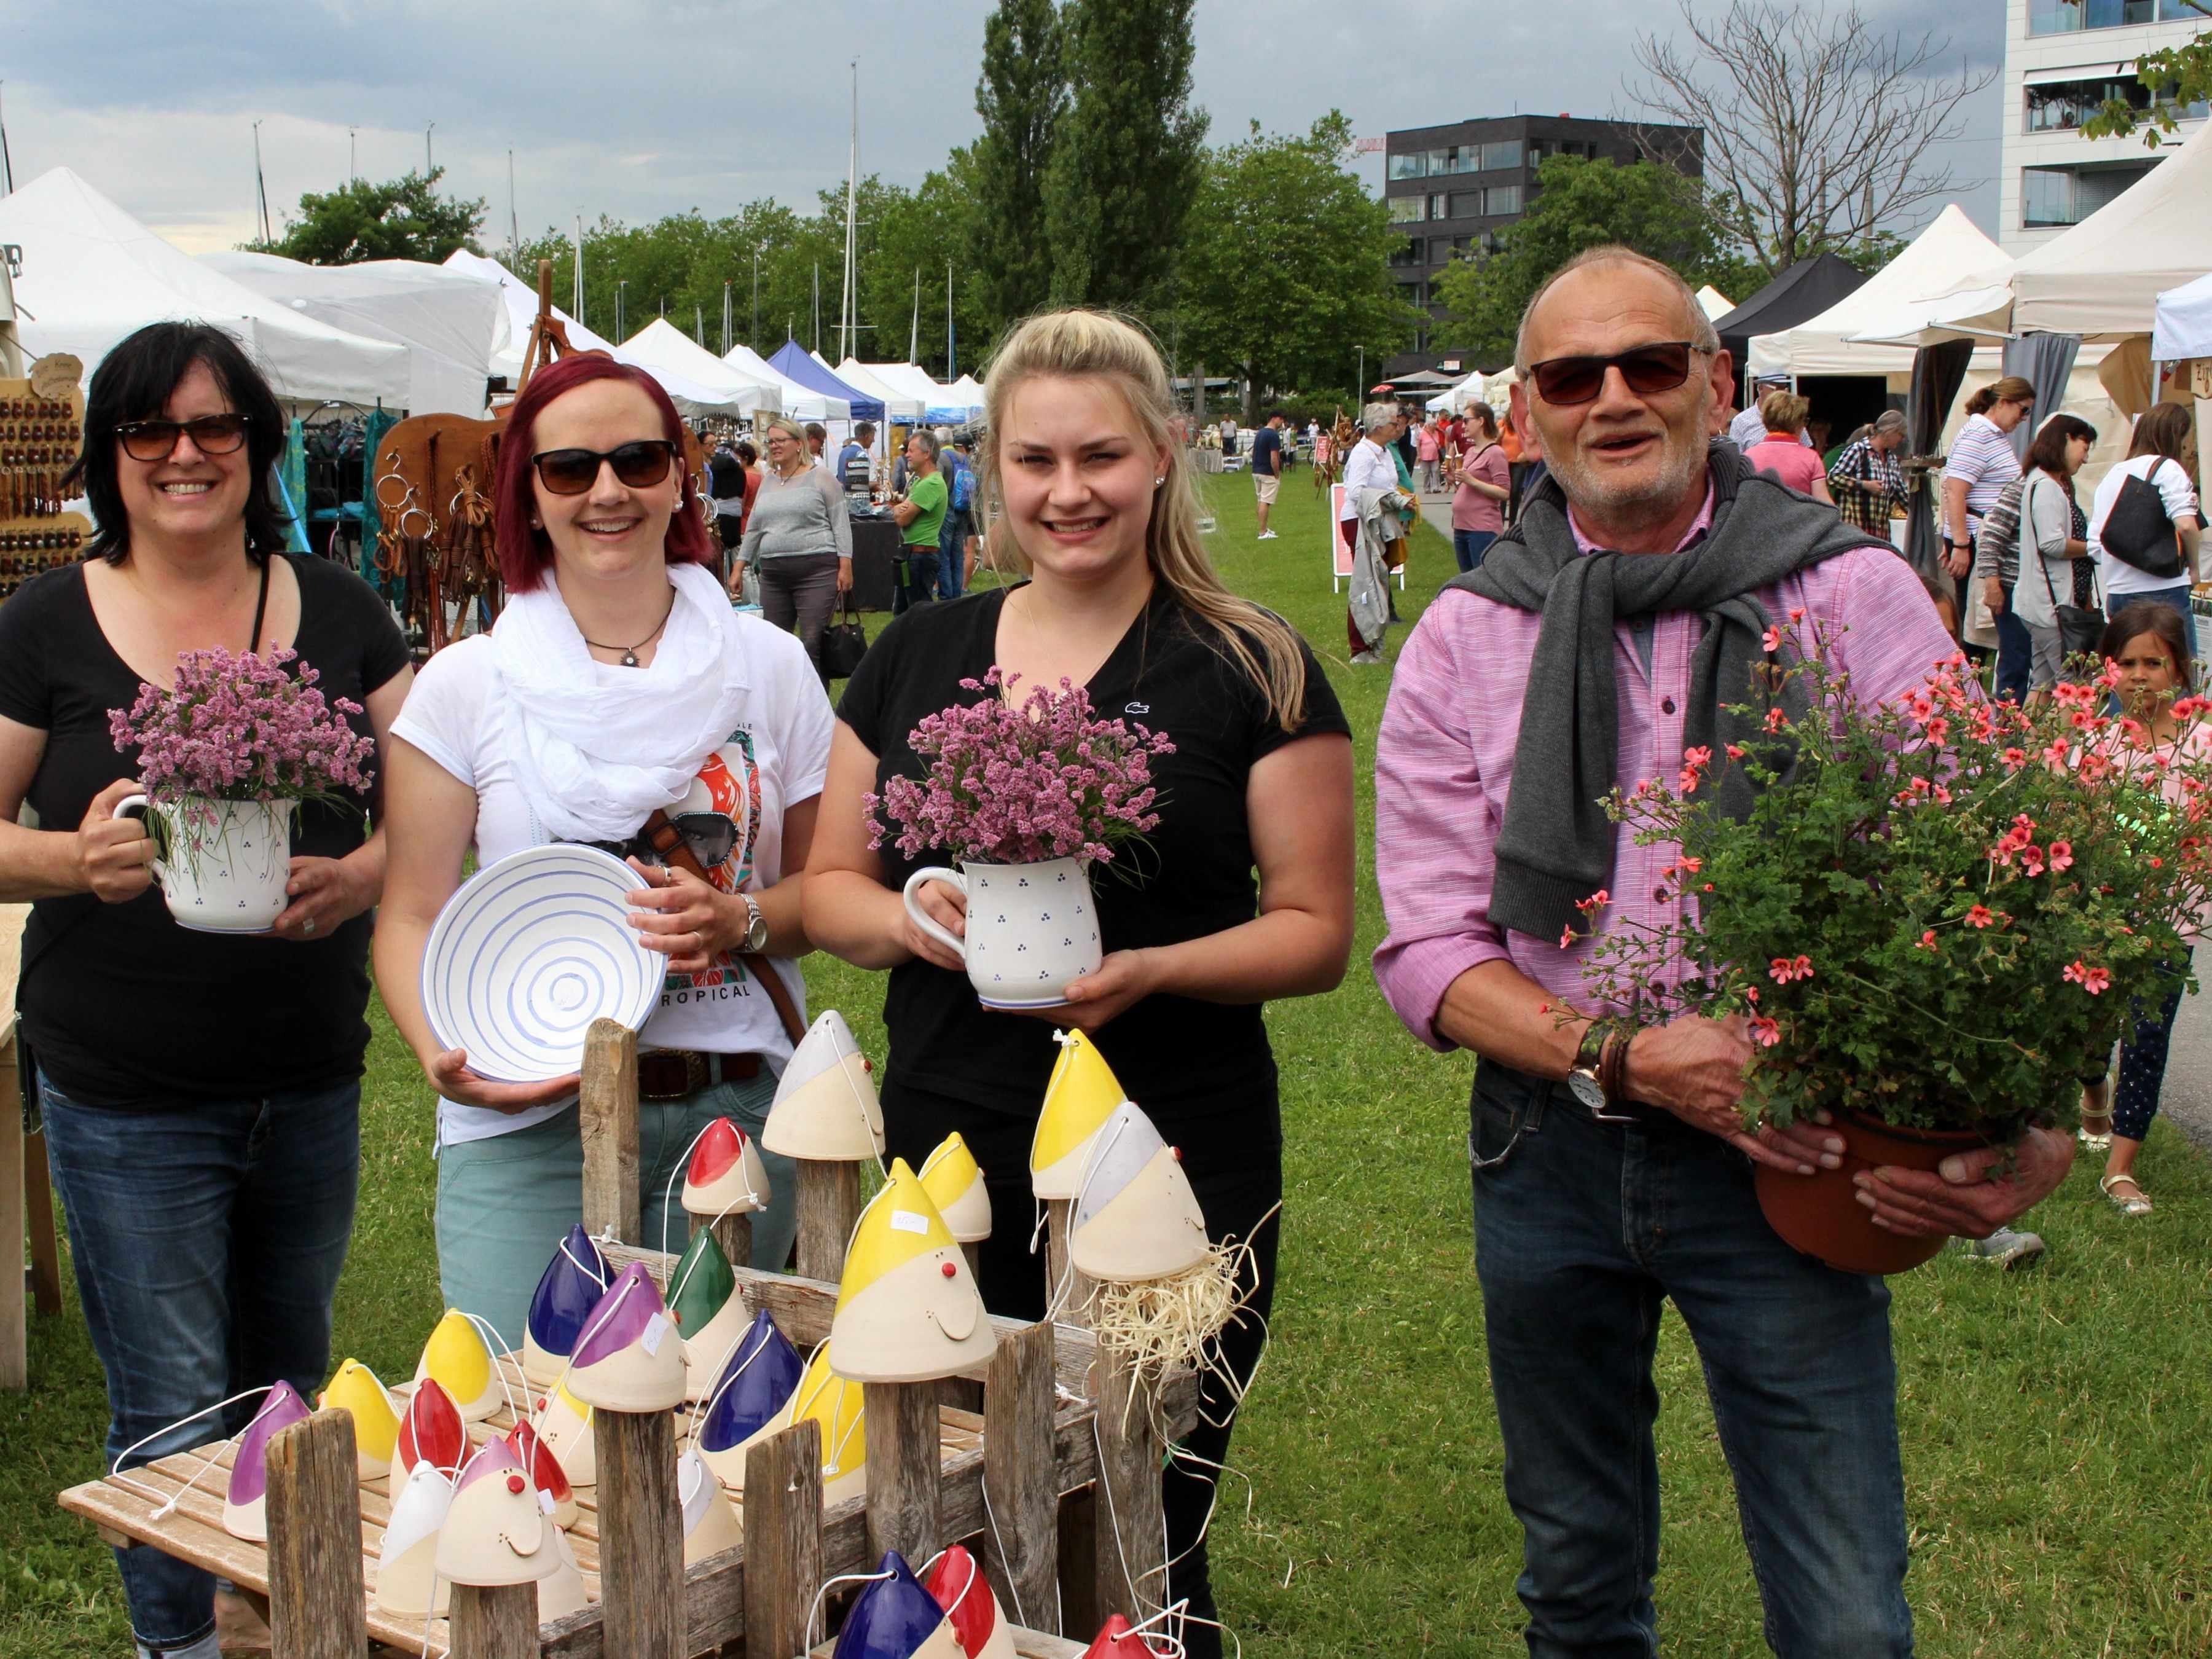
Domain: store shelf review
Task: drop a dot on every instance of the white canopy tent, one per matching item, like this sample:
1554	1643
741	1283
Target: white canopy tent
801	403
2181	325
661	345
92	274
942	405
900	407
450	321
967	391
1715	304
2101	279
1453	400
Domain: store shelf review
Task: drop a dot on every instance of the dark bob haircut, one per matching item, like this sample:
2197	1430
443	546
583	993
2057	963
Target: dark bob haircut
2049	449
2150	616
134	382
525	554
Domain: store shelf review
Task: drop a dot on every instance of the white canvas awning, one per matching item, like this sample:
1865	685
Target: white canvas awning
1715	304
899	406
661	345
92	275
801	403
942	405
2102	278
2181	324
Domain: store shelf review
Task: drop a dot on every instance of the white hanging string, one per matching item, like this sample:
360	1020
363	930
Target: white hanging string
168	1504
484	1327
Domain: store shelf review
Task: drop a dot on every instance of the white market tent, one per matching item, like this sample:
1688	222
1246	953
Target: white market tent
2102	278
968	392
692	399
1454	399
451	322
900	407
943	405
1715	304
801	403
661	345
94	274
2181	326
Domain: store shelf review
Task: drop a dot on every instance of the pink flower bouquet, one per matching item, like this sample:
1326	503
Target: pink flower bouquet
242	728
1020	785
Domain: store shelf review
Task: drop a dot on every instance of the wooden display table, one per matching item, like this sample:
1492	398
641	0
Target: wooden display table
25	1195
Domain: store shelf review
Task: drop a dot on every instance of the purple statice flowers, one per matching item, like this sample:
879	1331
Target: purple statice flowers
242	728
1018	785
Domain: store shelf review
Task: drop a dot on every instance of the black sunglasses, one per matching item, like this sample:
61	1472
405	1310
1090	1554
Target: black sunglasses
156	441
573	471
1648	369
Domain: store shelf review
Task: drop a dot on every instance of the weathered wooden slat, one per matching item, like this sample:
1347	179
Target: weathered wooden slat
607	1121
905	1489
1131	1550
734	1233
640	1535
318	1607
828	1205
783	1538
1020	1480
494	1624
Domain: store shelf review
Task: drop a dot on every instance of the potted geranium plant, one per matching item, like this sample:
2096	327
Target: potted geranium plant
226	754
1026	797
1935	918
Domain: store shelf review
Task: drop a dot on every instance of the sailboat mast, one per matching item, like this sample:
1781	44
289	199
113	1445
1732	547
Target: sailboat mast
852	186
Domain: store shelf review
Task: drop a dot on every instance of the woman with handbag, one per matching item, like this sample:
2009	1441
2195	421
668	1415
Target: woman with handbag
619	701
2049	548
797	540
2144	525
1975	473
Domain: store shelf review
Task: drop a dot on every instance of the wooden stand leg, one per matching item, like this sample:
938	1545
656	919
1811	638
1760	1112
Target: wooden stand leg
14	1326
1021	1536
783	1538
1075	1297
828	1205
39	1216
640	1535
906	1509
1132	1579
1080	1615
318	1607
607	1121
734	1233
494	1624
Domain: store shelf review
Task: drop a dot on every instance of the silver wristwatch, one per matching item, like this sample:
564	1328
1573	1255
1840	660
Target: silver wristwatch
756	925
1583	1077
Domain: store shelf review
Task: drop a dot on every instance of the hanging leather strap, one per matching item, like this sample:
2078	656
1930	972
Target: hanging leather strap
666	838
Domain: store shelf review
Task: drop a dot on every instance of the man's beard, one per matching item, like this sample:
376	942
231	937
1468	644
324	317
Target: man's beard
1594	492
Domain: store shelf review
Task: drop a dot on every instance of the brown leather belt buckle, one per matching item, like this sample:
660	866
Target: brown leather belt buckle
671	1074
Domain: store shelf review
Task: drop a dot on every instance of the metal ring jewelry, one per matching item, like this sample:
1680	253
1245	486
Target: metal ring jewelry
309	925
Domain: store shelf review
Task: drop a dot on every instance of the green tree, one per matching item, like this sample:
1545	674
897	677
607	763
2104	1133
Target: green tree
917	237
2171	80
1285	269
1022	96
1125	163
403	218
1582	203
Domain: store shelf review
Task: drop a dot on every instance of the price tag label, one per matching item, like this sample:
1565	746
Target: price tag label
909	1221
656	1329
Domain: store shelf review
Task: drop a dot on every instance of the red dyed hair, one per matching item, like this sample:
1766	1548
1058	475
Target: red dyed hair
525	554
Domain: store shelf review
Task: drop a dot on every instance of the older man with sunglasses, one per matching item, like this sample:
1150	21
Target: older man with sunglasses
1598	641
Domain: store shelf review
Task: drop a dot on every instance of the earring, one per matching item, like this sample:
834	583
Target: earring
1157	482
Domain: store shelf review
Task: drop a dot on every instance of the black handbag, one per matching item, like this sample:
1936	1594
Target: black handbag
844	642
2138	531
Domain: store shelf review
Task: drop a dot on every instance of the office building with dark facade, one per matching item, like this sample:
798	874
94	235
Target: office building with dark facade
1452	189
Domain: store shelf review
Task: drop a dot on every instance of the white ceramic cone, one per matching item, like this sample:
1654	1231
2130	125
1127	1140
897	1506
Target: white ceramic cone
407	1585
496	1532
456	1356
710	1525
565	1425
908	1309
726	1176
1135	1215
825	1107
561	1592
955	1184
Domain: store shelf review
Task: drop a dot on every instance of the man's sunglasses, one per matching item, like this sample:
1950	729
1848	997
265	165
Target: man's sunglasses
1567	381
156	441
573	471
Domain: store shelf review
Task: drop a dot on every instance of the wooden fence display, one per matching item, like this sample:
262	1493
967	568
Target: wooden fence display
1052	1426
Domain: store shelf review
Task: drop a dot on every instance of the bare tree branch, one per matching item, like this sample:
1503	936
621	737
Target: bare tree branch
1817	129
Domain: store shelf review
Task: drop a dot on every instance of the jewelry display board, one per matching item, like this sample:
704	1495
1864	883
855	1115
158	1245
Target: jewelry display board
42	427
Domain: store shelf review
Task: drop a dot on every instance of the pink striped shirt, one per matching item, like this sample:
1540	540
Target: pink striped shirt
1444	761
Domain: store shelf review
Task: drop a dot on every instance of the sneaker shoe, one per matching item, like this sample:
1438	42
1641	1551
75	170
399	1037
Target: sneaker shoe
2004	1248
1267	535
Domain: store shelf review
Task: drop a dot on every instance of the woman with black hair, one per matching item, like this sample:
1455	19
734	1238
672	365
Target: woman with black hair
201	1092
2051	545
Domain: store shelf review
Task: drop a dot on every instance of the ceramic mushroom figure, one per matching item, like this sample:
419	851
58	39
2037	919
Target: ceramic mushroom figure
908	1309
726	1176
971	1605
839	1406
1135	1217
495	1531
748	1399
895	1618
545	1472
1118	1639
245	1507
457	1357
1080	1097
573	1282
710	1525
825	1109
709	1313
629	1358
355	1388
407	1582
564	1425
430	1432
955	1184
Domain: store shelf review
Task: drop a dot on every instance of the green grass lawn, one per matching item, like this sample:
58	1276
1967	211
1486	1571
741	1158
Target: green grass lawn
2059	1480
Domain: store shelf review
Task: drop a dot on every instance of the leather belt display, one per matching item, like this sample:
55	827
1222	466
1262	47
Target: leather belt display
679	1073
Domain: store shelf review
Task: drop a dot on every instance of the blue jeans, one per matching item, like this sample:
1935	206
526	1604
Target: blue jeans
1470	546
914	573
2015	654
208	1239
951	556
2174	598
2142	1065
1582	1231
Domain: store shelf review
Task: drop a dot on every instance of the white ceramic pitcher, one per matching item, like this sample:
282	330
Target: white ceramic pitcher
1032	928
226	861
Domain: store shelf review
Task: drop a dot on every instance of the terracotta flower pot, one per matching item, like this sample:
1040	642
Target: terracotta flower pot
1821	1213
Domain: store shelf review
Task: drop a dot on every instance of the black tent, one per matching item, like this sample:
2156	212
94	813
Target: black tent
1797	295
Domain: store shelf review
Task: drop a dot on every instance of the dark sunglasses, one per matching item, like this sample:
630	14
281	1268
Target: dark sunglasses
156	441
573	471
1566	381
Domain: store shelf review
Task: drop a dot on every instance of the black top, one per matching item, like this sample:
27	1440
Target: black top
124	1007
726	476
1175	1056
1268	451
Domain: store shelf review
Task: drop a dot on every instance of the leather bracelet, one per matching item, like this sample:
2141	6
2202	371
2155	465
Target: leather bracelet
1613	1067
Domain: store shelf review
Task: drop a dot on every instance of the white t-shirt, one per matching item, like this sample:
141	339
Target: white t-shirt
2171	479
777	755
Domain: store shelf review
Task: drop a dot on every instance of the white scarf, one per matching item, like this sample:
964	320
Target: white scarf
595	754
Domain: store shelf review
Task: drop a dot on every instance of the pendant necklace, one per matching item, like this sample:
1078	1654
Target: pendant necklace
629	659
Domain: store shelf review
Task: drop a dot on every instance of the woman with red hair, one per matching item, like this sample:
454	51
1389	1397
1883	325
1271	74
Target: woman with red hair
618	687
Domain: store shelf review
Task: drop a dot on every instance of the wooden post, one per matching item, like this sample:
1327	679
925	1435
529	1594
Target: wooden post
1131	1575
318	1608
15	1325
906	1511
640	1535
494	1624
783	1538
1075	1300
1021	1534
38	1209
734	1233
828	1205
607	1108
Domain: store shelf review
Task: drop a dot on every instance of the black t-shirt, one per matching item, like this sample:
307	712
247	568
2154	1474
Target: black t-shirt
1268	451
124	1007
725	478
1194	876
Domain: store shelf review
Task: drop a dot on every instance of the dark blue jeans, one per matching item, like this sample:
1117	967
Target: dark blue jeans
208	1239
1583	1231
914	574
1470	546
2142	1066
2015	654
951	559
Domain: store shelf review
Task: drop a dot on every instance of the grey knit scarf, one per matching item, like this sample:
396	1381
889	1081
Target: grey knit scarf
1556	846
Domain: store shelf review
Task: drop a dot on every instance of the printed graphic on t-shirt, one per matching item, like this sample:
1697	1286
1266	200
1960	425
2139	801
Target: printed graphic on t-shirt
719	819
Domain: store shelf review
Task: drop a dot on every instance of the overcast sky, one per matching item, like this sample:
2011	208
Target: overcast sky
637	110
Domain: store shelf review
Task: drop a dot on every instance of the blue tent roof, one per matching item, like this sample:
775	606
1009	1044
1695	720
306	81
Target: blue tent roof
793	362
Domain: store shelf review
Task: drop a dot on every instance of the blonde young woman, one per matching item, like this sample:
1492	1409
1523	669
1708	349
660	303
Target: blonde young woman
1095	505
